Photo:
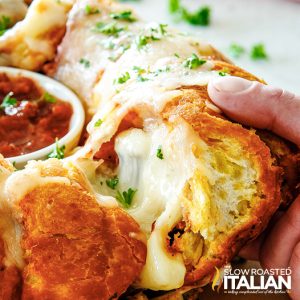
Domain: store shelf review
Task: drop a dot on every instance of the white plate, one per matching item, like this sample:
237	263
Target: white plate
58	90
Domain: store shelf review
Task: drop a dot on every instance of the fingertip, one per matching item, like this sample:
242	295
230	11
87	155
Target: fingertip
230	84
230	93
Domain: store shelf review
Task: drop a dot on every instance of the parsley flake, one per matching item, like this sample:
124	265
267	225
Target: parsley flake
89	10
200	17
109	29
112	183
8	101
140	71
123	78
123	16
141	41
162	28
194	62
125	198
98	123
5	23
86	63
159	153
58	152
49	98
236	50
258	52
174	6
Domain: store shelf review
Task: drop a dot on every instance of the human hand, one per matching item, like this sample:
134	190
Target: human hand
266	107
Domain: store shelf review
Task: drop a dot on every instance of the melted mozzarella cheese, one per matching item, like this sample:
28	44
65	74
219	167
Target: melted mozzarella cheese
9	230
98	49
159	183
163	73
28	45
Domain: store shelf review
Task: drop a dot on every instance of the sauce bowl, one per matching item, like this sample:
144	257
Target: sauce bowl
58	90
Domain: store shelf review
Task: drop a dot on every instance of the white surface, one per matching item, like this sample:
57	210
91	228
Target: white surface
61	92
276	23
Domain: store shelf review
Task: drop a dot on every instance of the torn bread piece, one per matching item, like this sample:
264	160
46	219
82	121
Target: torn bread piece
72	246
28	45
204	186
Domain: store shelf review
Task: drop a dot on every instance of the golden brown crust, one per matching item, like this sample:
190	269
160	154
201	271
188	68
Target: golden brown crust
287	157
75	248
10	278
213	128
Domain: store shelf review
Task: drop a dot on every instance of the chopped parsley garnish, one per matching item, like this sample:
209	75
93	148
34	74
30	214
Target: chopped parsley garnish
98	123
123	78
176	55
194	62
123	16
140	71
199	17
49	98
58	152
86	63
162	28
141	78
112	183
156	35
5	23
109	29
236	50
159	153
222	73
89	10
125	198
141	41
258	52
174	6
8	101
164	69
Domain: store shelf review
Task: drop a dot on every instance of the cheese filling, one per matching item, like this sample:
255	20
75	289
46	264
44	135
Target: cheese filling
159	181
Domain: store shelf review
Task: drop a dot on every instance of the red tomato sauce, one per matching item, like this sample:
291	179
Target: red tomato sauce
30	118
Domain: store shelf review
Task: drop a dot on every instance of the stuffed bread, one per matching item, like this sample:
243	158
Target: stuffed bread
198	185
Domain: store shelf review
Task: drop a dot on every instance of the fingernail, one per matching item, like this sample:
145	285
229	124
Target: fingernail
231	84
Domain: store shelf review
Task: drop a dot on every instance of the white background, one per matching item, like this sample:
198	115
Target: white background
276	23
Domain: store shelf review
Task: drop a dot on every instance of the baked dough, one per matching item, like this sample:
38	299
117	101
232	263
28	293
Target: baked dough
71	246
203	185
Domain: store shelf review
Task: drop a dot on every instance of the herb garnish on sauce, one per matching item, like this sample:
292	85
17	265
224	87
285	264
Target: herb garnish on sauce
8	101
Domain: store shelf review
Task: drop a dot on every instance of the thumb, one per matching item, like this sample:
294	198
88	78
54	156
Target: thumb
258	105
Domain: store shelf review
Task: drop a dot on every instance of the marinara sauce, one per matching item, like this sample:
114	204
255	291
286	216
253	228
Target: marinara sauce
30	117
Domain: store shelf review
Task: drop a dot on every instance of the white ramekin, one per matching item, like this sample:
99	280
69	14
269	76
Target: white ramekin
70	140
